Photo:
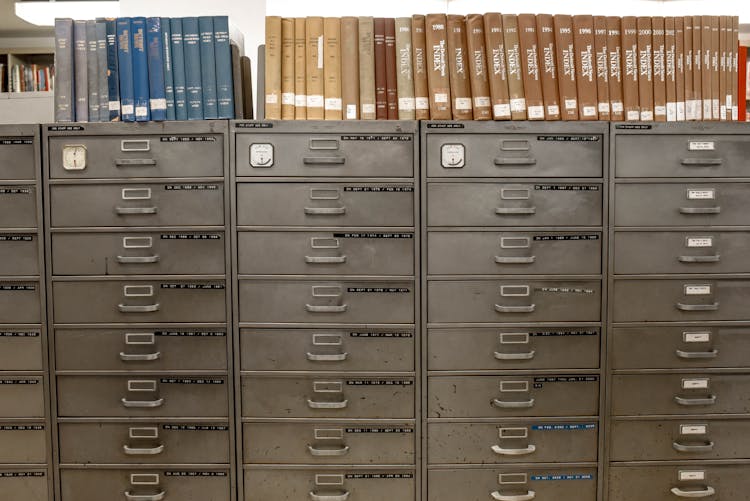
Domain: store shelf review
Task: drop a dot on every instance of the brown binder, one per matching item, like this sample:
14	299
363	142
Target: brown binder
438	79
350	67
630	71
515	70
477	54
545	32
419	64
698	56
614	47
670	69
645	69
300	57
314	69
273	68
287	68
583	40
723	68
381	83
687	51
658	64
247	88
405	71
367	68
391	79
459	69
498	76
706	68
566	67
332	68
679	63
715	107
529	55
601	58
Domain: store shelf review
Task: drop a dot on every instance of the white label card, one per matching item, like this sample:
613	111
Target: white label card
692	475
697	290
702	194
696	337
693	429
701	146
693	242
695	384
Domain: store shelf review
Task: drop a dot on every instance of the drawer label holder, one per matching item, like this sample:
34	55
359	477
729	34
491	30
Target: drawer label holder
563	427
378	476
562	477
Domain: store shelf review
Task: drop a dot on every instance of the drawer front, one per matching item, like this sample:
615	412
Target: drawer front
325	204
136	156
680	347
184	484
325	253
499	204
323	397
329	484
20	302
329	443
669	483
23	443
512	253
141	396
144	442
522	347
512	442
510	396
142	204
512	484
139	301
25	484
21	397
680	300
140	349
332	301
17	158
681	252
21	350
18	206
683	204
514	301
325	155
680	394
327	350
678	155
163	253
19	254
673	440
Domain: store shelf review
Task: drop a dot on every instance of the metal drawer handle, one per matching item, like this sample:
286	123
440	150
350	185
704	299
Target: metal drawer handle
328	452
709	400
699	259
135	162
142	404
323	160
701	161
138	259
325	260
703	493
518	497
513	452
700	210
327	405
145	497
707	447
326	309
697	354
325	211
338	357
148	308
502	404
515	356
515	260
148	451
500	161
698	307
522	211
329	497
123	211
515	309
139	357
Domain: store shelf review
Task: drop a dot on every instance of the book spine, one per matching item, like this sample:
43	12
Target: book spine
300	53
458	72
237	89
166	43
192	57
113	72
224	69
92	71
545	29
671	68
419	63
350	67
367	68
332	68
736	96
154	53
697	67
478	76
391	69
601	56
645	69
514	67
101	72
381	98
247	88
529	56
742	85
583	40
178	69
438	78
498	76
314	69
723	69
140	70
715	90
64	90
287	68
208	67
659	68
679	63
614	47
687	50
125	69
706	67
566	67
405	70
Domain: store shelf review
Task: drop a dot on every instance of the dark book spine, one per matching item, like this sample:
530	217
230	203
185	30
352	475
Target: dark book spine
391	70
140	69
113	77
154	53
101	57
92	70
166	43
208	67
81	71
125	68
64	89
193	86
224	68
178	69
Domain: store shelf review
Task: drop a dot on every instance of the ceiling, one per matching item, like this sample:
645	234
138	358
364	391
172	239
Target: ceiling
12	26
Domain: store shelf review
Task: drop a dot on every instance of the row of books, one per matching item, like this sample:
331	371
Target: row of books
26	78
502	67
141	69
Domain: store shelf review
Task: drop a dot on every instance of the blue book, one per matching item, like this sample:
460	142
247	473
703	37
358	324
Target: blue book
193	86
125	67
178	69
166	42
101	73
223	55
140	69
208	67
155	53
113	77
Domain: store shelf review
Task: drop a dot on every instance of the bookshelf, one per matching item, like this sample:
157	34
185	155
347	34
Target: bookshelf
33	106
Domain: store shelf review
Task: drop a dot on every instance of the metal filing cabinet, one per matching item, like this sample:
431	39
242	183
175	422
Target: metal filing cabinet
679	321
513	279
138	262
325	267
25	439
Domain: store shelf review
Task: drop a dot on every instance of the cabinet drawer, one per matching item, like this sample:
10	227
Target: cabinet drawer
19	254
512	484
680	394
329	443
140	349
511	253
325	204
325	253
23	443
141	395
20	302
522	347
328	396
18	206
142	204
525	204
514	301
327	350
136	156
162	253
144	442
510	396
680	347
512	442
17	158
21	350
669	483
680	300
340	301
21	397
139	301
25	484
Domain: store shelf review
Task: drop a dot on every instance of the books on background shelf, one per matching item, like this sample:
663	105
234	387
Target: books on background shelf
137	69
26	77
504	67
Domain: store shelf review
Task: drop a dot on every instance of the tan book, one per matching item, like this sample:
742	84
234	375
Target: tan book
545	31
735	40
698	68
381	78
458	65
391	69
645	69
332	68
566	67
601	58
495	42
438	79
273	68
583	40
679	62
715	91
478	77
706	72
300	58
366	68
405	71
419	63
670	69
687	51
287	68
723	68
315	84
515	70
350	67
658	64
529	55
630	98
614	47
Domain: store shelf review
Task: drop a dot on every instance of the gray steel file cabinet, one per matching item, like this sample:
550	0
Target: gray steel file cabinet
25	443
513	280
679	319
326	260
138	261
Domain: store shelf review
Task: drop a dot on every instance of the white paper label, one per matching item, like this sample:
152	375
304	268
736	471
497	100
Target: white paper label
692	475
518	104
603	107
729	102
701	146
141	111
660	110
315	101
706	109
536	112
114	105
553	110
320	52
715	108
300	100
406	104
701	194
127	109
696	337
647	115
695	384
697	290
351	111
158	104
272	98
723	113
671	112
589	111
423	103
617	107
571	104
481	102
693	242
333	104
693	429
463	103
735	113
287	98
441	97
680	111
501	110
633	115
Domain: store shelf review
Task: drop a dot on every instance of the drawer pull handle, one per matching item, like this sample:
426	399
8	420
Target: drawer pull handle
515	260
138	259
329	497
513	452
139	357
148	308
325	211
142	404
324	160
328	452
515	211
700	210
699	259
698	307
697	354
707	447
515	309
515	356
517	497
326	309
129	211
147	451
338	357
503	404
327	405
514	161
135	162
701	162
145	497
703	493
325	259
688	402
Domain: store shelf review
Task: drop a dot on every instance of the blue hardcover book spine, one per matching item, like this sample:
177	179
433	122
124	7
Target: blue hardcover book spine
125	67
140	70
166	42
157	99
178	70
113	76
208	67
101	73
193	86
223	55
